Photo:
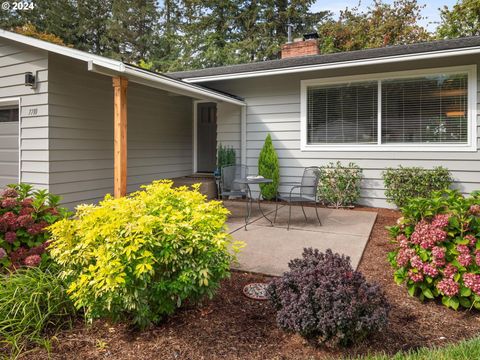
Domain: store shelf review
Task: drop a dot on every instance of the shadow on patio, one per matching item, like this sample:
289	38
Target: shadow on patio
269	249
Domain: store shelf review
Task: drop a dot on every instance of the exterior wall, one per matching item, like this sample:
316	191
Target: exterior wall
274	107
15	60
81	133
228	126
159	136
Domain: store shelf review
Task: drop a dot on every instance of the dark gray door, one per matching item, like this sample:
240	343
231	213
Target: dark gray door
206	137
8	145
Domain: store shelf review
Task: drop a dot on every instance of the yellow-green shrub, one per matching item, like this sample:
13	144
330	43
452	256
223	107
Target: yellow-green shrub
140	257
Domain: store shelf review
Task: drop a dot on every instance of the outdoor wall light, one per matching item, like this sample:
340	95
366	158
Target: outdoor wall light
30	80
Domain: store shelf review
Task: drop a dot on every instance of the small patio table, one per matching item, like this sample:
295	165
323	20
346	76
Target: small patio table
248	182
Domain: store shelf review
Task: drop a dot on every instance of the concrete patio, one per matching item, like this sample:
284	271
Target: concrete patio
269	249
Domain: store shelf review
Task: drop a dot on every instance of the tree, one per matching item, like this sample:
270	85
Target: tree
56	17
268	167
262	26
462	20
381	25
30	30
92	30
221	32
132	29
121	29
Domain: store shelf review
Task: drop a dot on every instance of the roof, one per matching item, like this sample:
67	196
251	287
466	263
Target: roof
111	67
437	48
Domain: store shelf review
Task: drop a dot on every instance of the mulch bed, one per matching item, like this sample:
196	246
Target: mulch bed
231	326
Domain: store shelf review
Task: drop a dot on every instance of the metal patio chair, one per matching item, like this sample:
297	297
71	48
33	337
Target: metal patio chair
228	186
306	193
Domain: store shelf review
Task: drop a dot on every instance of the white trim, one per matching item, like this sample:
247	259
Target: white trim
470	146
191	89
379	112
113	67
195	102
243	135
16	101
338	65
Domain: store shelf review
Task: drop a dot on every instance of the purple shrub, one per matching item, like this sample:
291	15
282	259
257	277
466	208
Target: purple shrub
324	300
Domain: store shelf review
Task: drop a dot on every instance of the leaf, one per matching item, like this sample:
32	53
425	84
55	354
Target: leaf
399	276
461	241
465	292
411	290
428	294
465	302
454	303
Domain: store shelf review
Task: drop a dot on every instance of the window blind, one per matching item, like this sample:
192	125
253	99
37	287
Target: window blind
430	109
342	113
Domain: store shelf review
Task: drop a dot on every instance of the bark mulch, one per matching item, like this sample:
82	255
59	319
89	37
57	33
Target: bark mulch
231	326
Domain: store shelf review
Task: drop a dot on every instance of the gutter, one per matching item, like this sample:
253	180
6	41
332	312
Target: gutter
159	81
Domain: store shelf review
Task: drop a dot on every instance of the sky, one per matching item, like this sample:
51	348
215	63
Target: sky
430	12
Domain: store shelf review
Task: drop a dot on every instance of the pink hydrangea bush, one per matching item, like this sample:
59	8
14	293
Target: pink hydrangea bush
24	216
437	252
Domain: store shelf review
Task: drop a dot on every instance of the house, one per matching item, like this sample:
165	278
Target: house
64	113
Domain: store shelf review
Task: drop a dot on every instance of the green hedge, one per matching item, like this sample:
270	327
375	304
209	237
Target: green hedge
405	183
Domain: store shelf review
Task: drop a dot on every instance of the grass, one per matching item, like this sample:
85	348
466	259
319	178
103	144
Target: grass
31	302
465	350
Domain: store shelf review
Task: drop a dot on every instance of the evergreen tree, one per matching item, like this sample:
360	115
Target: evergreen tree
132	29
268	167
92	31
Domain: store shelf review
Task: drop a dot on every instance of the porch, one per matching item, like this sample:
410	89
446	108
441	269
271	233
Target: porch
268	249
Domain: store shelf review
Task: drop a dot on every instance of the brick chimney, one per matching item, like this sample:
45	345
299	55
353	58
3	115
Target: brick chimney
308	45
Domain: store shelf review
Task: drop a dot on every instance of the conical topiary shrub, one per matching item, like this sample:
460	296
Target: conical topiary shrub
268	167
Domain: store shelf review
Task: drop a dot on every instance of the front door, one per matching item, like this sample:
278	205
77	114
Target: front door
206	137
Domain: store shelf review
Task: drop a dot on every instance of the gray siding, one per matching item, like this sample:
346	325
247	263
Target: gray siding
228	126
81	133
274	107
159	136
15	60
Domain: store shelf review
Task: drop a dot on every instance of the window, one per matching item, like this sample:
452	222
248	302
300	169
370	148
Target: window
428	108
344	113
8	115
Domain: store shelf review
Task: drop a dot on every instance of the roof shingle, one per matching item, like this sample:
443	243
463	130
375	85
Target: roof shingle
439	45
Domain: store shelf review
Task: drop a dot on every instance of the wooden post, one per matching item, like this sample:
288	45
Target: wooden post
120	136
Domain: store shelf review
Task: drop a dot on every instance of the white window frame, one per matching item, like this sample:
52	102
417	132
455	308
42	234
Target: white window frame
470	146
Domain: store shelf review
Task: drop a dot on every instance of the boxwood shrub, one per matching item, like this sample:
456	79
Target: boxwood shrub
324	300
141	257
405	183
437	253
